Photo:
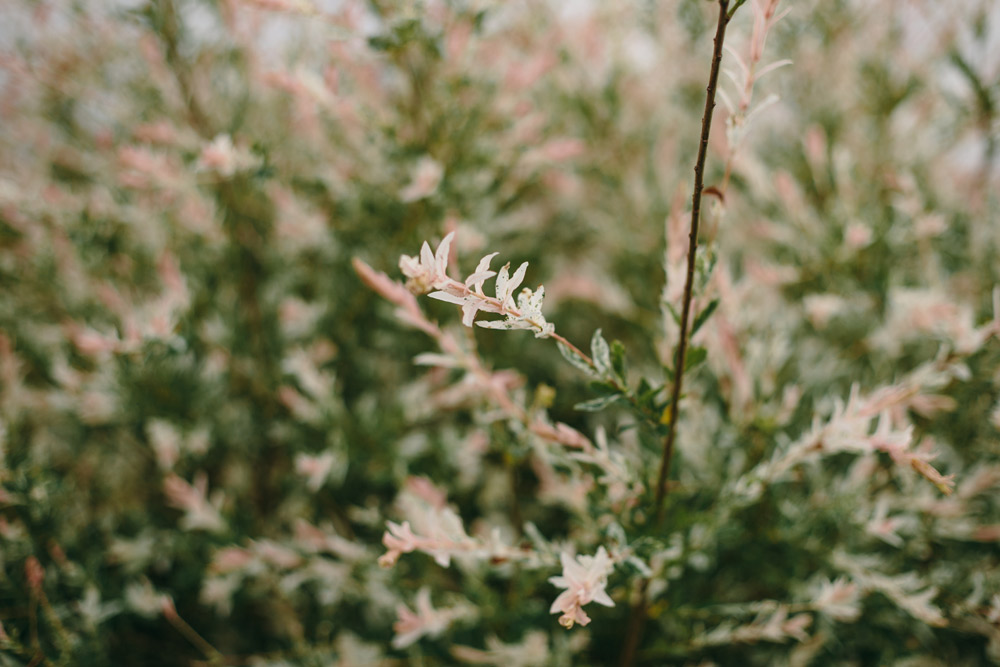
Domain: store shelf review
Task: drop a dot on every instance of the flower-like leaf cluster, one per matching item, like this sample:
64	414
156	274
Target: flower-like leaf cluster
429	272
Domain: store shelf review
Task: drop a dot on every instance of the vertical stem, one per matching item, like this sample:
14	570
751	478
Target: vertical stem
699	184
633	633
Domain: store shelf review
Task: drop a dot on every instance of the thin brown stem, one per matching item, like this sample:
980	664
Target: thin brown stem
637	619
573	348
211	653
636	622
699	184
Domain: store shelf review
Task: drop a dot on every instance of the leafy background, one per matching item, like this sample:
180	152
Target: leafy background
182	343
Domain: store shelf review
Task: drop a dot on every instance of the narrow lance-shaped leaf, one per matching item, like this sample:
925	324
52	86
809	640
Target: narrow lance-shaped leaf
482	273
601	354
704	315
604	388
574	359
596	404
448	297
517	278
618	360
501	283
646	394
673	312
695	355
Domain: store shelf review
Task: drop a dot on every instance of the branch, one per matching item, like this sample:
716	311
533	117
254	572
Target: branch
699	184
633	633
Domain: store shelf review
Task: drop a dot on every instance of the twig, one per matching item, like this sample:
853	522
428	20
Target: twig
636	621
699	183
211	653
633	633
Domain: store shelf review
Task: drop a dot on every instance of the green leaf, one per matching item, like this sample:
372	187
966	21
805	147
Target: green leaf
596	404
380	43
704	315
604	388
646	395
601	354
574	359
704	262
618	360
673	312
695	356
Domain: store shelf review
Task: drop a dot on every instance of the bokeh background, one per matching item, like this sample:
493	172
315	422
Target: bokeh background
206	418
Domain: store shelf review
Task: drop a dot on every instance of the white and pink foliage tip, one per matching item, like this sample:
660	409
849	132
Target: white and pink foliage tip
429	271
585	579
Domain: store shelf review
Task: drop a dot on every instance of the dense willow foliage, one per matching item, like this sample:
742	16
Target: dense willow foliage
215	445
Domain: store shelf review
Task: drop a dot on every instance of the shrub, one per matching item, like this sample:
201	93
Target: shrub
779	444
